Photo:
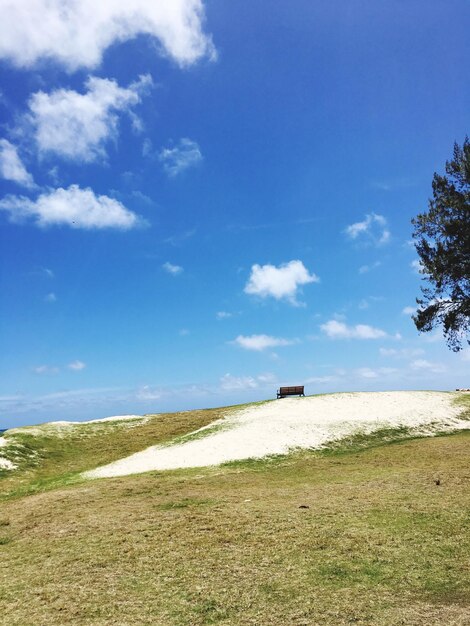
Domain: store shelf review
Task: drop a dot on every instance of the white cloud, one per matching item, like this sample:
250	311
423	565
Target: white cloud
422	364
388	352
279	282
172	269
76	366
367	372
185	154
11	166
50	297
261	342
373	228
409	310
233	383
339	330
76	126
465	354
223	315
146	392
77	32
74	207
403	353
267	379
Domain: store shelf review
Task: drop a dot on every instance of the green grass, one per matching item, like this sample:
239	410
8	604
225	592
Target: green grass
49	457
379	544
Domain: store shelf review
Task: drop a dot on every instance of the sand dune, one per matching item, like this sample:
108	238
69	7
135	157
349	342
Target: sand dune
283	425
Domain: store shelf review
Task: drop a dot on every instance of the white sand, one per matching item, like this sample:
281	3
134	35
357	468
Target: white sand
113	418
63	424
6	464
282	425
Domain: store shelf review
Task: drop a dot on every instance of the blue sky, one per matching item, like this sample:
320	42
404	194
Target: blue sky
202	201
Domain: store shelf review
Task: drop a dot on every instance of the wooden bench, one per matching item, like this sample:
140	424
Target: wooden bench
290	391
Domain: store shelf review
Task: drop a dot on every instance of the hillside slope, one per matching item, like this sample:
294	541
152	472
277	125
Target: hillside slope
367	533
53	454
279	426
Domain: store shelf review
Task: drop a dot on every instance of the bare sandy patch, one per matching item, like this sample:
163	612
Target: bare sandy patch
113	418
63	425
292	423
5	464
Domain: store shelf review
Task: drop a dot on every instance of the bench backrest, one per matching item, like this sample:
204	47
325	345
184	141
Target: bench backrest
291	390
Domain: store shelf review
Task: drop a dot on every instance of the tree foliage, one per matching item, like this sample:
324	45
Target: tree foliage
442	240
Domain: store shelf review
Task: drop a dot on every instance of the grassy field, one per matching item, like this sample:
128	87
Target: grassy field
358	534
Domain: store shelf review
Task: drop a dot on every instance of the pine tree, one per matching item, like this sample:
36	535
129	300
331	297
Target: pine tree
442	240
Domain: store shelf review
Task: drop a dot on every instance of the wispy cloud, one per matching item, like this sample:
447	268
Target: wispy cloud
435	337
428	366
406	353
46	369
232	383
409	310
77	126
372	229
261	342
241	383
50	297
366	302
281	282
179	239
172	269
416	266
223	315
185	154
364	269
74	207
392	184
368	372
77	35
11	166
76	366
45	271
335	329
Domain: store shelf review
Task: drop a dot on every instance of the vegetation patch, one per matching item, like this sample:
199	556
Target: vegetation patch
182	504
